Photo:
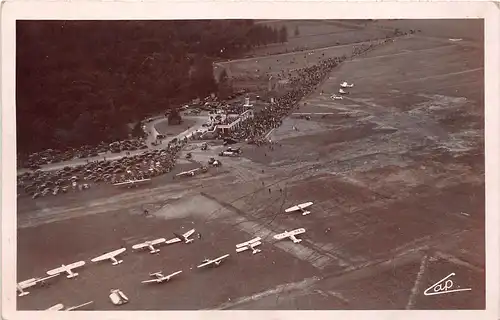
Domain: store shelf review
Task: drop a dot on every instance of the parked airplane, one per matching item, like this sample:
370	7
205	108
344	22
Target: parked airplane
110	256
31	283
228	154
336	97
150	245
188	173
215	262
300	207
345	85
132	183
251	244
67	269
234	150
159	277
291	235
342	91
60	306
117	297
184	237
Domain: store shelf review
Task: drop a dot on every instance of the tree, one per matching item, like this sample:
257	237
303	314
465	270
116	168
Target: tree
174	117
137	130
223	77
283	35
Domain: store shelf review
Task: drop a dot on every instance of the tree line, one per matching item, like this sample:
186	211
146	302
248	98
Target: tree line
81	82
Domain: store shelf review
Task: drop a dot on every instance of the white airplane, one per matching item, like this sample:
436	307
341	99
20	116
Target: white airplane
188	173
342	91
132	183
345	85
60	306
159	277
216	262
228	154
251	244
150	245
181	237
291	235
110	256
67	269
117	297
336	97
31	283
300	207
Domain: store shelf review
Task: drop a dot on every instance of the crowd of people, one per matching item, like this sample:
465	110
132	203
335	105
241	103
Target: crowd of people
142	166
302	83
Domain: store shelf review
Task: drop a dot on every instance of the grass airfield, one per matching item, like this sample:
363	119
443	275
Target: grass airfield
395	171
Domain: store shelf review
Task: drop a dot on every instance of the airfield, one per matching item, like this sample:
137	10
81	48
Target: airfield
395	171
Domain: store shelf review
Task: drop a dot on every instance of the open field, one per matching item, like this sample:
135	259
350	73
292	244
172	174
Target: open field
173	130
395	171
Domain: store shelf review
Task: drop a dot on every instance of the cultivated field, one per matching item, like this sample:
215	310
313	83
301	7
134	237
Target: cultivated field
395	171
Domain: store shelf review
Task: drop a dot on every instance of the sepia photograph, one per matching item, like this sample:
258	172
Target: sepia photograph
250	164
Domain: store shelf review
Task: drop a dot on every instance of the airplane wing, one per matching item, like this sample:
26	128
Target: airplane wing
190	232
173	274
221	258
140	246
281	236
305	205
291	209
46	278
150	281
79	306
206	264
76	265
27	283
108	255
57	307
248	242
158	241
297	231
123	183
174	240
255	244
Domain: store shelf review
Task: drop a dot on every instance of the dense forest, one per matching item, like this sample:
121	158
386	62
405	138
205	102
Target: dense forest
81	82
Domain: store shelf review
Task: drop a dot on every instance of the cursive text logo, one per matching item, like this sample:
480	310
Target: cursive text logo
443	286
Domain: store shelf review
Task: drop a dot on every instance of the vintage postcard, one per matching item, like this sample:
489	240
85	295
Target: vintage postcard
332	158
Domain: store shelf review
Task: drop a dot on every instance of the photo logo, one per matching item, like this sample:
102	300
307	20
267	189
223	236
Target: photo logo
443	286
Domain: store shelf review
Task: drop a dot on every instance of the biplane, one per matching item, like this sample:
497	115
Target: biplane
251	244
68	269
300	207
31	283
60	306
117	297
150	245
346	85
132	183
110	256
159	277
214	262
291	235
181	237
